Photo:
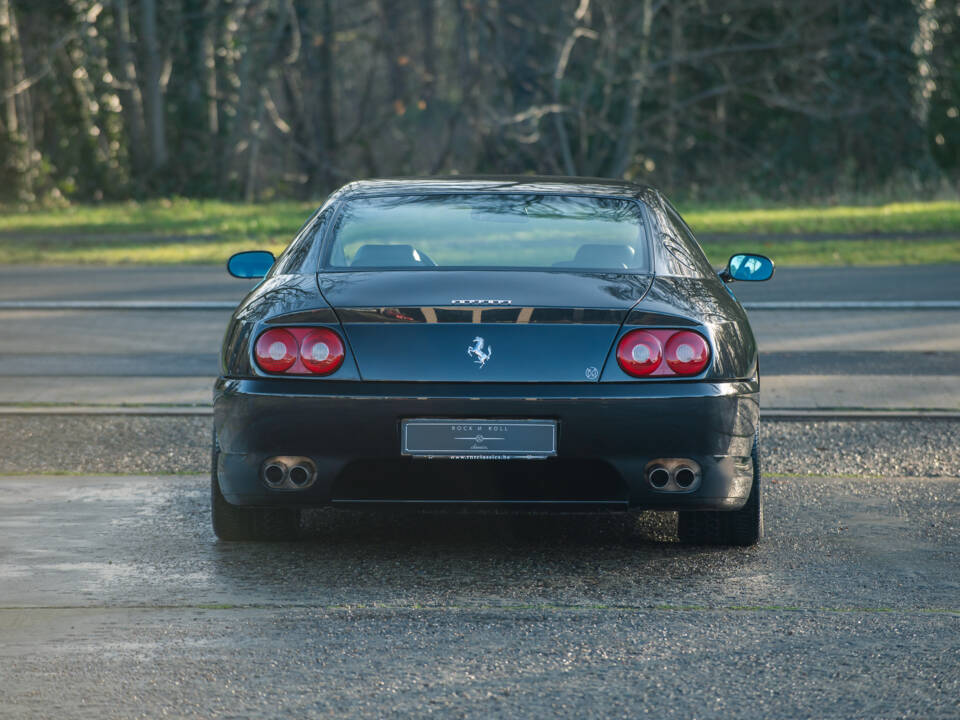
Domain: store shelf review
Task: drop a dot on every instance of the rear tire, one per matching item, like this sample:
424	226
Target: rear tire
741	527
231	522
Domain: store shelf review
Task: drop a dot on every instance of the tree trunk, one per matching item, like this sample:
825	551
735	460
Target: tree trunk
8	49
130	97
153	89
194	22
327	107
427	24
197	119
253	155
389	34
209	65
673	82
627	140
16	151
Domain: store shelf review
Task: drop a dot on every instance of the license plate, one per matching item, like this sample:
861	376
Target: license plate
479	439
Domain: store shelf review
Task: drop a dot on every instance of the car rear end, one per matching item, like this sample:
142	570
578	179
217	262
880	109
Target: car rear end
425	370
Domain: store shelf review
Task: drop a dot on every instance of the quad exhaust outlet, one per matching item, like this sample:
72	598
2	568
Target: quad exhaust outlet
673	475
288	472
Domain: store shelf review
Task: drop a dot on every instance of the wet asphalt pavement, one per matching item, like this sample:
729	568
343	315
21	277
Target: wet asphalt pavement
117	601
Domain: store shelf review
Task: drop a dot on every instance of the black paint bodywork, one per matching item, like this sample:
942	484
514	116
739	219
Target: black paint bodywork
405	358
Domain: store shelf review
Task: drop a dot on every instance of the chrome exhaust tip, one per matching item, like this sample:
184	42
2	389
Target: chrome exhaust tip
299	475
684	477
288	472
273	474
677	475
659	477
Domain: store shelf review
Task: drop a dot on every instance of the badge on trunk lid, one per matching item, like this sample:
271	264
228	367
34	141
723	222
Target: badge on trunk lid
476	350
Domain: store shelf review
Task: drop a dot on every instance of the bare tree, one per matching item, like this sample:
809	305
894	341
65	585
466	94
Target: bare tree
153	85
16	144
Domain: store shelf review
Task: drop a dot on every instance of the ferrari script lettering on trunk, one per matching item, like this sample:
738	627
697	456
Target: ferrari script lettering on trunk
487	301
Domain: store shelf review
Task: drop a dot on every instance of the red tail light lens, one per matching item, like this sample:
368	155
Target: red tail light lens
276	350
299	351
639	353
663	353
687	353
321	351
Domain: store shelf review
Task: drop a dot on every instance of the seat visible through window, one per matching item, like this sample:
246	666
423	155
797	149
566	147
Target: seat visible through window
598	255
390	256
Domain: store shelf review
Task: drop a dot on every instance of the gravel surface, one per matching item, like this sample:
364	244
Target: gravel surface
911	448
95	444
152	445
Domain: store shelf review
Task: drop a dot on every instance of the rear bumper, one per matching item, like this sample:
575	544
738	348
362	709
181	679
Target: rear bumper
608	433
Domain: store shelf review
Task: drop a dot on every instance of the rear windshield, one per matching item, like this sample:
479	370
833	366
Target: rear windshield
488	230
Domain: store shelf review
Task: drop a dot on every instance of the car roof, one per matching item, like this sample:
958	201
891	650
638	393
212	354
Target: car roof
535	184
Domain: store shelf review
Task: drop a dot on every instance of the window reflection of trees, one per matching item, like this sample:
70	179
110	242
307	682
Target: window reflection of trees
460	238
294	258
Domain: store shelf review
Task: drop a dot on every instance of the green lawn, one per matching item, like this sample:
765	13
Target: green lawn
893	218
154	232
842	252
198	232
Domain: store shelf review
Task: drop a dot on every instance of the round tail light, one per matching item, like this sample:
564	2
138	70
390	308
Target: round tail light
321	351
687	353
276	350
639	353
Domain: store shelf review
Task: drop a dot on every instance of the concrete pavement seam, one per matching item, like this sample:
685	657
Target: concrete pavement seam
546	607
773	414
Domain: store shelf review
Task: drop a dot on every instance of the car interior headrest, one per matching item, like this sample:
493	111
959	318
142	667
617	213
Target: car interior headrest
389	256
600	255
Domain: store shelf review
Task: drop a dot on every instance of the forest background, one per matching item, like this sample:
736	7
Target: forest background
735	104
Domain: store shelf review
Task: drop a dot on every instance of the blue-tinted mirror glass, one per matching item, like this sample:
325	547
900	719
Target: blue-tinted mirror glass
251	264
750	267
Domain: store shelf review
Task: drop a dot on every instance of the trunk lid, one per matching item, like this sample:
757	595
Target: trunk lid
480	325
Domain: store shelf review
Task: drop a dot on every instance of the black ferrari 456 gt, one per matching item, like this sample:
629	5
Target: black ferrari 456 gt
528	343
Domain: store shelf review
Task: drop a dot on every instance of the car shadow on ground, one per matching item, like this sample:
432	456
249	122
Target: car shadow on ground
490	529
416	559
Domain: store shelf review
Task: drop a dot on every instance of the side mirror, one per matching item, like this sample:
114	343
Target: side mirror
250	264
746	266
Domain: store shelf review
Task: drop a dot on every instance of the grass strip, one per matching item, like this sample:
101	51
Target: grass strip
904	218
181	231
841	252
